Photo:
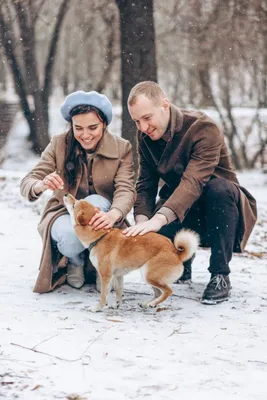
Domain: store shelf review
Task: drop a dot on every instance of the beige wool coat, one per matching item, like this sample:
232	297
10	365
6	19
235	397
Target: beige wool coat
112	176
194	153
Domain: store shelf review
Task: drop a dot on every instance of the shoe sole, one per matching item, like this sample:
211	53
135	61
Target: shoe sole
75	287
213	302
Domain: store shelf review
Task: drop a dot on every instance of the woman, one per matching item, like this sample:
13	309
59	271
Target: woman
88	162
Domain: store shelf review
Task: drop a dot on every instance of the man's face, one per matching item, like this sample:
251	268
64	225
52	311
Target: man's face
150	118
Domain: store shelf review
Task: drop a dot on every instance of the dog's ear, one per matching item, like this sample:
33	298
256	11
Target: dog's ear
81	218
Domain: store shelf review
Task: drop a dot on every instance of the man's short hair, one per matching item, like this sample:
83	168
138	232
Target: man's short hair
148	88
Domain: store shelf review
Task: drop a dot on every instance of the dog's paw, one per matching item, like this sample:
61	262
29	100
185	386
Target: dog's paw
143	305
96	308
115	306
118	304
151	304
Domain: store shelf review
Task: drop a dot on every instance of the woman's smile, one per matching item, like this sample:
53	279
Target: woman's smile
84	124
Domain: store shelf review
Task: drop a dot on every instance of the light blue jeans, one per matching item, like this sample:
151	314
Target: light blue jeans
64	236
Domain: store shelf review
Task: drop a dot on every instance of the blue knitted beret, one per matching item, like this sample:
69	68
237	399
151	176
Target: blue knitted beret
86	98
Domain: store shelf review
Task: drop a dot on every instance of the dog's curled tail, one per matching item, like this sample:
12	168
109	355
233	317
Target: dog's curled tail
186	242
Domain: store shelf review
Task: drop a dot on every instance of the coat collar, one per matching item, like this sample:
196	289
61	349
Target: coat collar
108	146
176	124
176	119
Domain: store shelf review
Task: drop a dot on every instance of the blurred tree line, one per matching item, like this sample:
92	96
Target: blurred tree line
203	53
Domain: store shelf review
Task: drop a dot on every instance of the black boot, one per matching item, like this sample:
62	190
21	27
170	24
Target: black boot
187	274
217	290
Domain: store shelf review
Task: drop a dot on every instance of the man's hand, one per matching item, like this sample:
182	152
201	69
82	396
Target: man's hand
141	218
152	225
104	220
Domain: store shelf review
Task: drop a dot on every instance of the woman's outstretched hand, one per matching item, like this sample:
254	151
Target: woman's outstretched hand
51	181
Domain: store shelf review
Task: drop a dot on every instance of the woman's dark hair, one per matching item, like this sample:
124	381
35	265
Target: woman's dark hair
75	155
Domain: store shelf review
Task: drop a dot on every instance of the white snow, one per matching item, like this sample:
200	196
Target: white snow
52	347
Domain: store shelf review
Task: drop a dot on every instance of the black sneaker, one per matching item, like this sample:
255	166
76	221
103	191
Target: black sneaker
217	290
187	274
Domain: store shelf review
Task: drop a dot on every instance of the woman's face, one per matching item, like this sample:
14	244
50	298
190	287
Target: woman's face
88	129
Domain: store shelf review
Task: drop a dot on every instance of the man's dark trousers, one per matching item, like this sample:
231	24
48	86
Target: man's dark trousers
214	216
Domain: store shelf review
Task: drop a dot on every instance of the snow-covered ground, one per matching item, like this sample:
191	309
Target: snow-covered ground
52	347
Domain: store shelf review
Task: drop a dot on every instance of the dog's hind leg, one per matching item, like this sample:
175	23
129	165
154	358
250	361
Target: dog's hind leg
157	293
118	284
164	290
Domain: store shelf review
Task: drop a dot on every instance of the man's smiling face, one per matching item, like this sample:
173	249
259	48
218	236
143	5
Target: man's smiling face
151	117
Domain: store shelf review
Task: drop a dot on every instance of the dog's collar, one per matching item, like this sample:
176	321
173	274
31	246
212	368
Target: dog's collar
95	242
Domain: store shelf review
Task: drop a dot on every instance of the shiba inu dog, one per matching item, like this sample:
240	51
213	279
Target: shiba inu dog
114	255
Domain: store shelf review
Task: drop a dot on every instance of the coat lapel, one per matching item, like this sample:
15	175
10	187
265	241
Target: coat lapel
168	153
108	146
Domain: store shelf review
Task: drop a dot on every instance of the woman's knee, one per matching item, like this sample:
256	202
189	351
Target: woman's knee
69	245
60	227
64	236
99	201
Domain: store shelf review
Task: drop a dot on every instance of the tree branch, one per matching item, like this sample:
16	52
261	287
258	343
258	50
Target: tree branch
37	12
28	43
6	40
52	51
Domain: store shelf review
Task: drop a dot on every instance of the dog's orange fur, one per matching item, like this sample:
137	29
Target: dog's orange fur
116	254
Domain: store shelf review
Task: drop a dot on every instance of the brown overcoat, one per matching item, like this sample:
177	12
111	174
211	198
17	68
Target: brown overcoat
112	176
195	152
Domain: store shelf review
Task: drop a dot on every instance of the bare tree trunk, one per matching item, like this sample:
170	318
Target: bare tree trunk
192	86
264	81
19	83
261	8
39	127
110	57
203	51
48	80
228	122
232	132
64	79
138	57
28	82
48	73
3	75
204	79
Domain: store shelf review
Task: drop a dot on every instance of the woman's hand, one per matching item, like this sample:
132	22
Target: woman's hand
51	181
104	220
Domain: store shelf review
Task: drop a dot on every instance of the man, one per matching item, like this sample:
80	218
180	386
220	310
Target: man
186	151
